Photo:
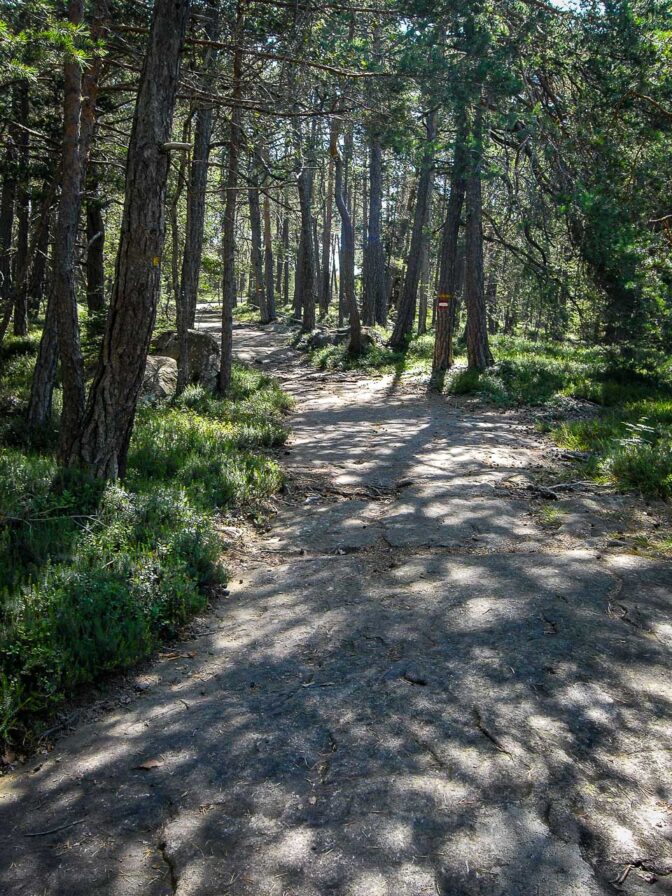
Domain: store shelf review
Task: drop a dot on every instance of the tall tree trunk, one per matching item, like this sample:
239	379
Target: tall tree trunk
478	349
65	245
229	223
102	443
258	292
374	305
22	215
347	250
268	259
279	225
285	259
446	303
196	192
347	194
306	283
42	383
6	227
62	324
491	306
95	225
407	303
424	289
37	274
95	250
176	249
325	281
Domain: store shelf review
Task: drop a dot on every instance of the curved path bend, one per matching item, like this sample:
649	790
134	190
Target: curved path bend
422	682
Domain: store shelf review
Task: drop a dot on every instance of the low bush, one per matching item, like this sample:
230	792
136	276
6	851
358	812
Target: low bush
94	576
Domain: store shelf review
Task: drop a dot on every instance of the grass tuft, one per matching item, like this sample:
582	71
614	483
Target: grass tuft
94	576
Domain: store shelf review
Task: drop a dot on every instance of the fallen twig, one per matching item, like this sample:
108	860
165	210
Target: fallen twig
53	830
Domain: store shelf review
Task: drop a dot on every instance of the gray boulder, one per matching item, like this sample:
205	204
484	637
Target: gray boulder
160	379
204	355
319	338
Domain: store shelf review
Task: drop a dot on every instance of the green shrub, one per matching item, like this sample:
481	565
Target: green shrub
472	382
647	468
137	572
92	577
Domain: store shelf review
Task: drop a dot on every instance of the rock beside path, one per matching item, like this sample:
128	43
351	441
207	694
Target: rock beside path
160	379
204	354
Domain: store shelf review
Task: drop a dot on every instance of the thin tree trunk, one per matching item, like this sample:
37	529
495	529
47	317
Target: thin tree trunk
196	192
325	282
198	180
37	275
229	223
62	324
374	305
65	299
478	350
268	259
446	304
491	305
95	251
22	215
6	227
347	250
258	292
285	260
424	289
347	194
279	225
407	303
102	443
95	226
42	383
174	219
305	271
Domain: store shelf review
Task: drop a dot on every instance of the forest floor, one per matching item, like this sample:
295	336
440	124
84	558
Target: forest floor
427	678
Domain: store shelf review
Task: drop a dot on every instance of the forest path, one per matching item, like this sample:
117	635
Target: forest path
421	683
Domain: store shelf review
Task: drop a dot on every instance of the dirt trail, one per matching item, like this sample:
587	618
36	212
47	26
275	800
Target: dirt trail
418	685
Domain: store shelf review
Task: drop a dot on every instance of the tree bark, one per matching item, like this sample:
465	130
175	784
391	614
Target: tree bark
268	260
305	270
95	226
407	303
37	275
62	327
347	250
478	349
258	291
229	223
103	439
22	215
374	304
6	228
446	304
325	281
279	224
424	289
196	192
95	250
285	259
42	383
65	240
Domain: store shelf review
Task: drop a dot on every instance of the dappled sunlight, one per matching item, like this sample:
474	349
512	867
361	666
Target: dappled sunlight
375	711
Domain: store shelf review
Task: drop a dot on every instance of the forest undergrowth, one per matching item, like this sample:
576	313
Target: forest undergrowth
94	576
